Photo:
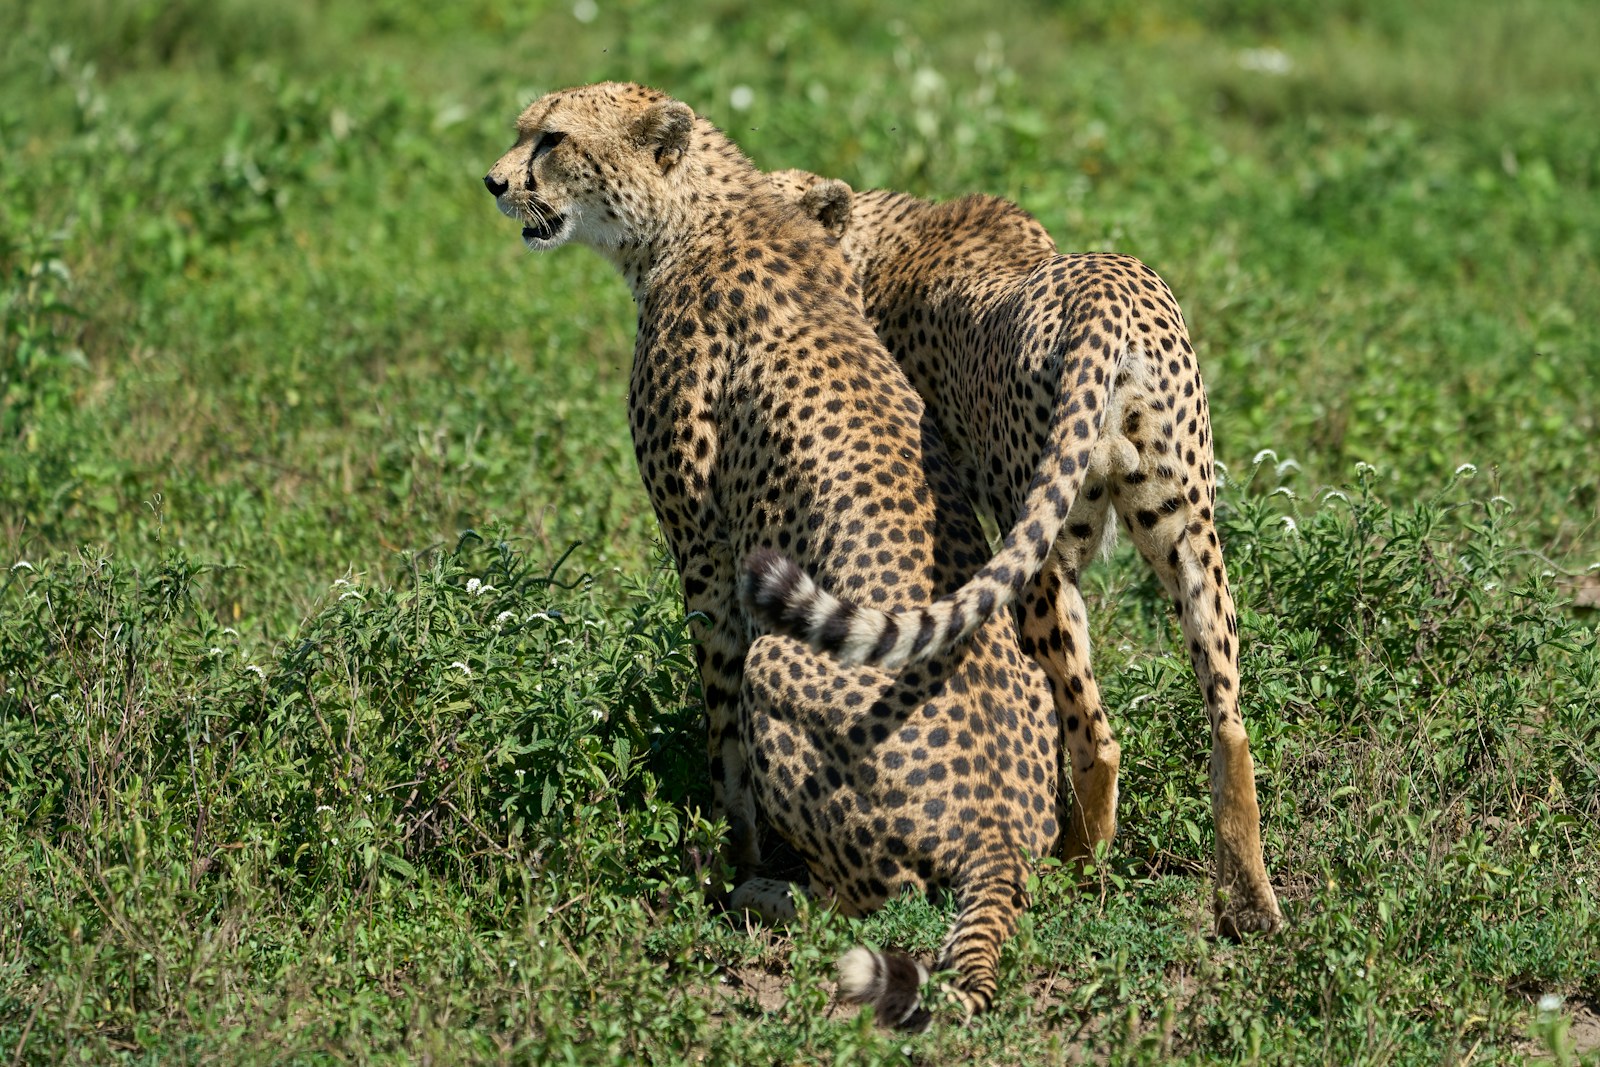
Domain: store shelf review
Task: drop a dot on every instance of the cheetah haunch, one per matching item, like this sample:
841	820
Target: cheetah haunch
767	415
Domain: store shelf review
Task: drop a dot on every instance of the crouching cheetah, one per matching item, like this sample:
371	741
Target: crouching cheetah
767	416
1012	345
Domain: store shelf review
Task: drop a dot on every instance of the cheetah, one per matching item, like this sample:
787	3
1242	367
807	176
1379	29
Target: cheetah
1008	341
767	416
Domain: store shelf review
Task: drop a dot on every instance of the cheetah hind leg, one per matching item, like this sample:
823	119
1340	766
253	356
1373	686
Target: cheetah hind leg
1055	632
781	725
1176	535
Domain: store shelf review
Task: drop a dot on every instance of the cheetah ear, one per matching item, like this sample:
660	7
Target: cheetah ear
665	128
828	201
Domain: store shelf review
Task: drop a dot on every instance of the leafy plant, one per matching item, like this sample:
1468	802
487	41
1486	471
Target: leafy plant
293	769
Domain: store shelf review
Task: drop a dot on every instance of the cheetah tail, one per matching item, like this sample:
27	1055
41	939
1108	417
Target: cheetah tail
889	981
785	599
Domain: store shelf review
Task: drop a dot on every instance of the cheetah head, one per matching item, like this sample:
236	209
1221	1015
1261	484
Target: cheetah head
599	164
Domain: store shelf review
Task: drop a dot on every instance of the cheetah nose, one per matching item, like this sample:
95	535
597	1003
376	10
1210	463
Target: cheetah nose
495	185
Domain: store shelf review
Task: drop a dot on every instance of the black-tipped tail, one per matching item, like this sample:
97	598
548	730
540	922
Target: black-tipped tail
889	981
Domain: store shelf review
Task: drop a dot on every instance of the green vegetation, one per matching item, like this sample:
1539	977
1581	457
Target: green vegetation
321	742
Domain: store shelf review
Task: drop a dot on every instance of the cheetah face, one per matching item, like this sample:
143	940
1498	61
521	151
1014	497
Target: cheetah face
543	226
593	165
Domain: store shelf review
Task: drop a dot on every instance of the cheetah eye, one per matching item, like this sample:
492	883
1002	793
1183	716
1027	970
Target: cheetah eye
547	142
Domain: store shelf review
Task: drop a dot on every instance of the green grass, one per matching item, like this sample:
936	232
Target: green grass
346	708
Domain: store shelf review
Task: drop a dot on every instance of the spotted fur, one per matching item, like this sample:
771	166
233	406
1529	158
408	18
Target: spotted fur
1012	344
1083	356
768	416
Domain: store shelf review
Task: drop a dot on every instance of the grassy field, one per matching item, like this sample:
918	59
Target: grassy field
346	708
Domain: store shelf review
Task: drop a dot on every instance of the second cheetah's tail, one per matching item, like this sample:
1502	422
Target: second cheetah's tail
889	981
785	599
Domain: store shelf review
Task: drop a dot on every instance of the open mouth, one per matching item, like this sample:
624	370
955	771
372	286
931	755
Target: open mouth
544	229
542	224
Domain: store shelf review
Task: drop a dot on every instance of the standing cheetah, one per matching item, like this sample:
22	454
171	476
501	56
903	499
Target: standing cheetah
1010	343
767	415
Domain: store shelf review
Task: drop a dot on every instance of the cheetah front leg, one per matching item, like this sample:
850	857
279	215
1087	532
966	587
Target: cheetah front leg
1170	519
720	642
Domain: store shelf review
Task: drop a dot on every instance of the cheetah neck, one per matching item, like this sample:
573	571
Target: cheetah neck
709	204
702	247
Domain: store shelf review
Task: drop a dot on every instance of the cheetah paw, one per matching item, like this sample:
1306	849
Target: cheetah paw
1234	922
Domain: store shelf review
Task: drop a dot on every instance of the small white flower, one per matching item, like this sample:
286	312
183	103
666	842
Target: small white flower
462	667
1363	467
1262	455
57	698
337	582
1334	494
352	594
1266	60
257	671
21	564
214	651
500	619
741	97
230	630
599	716
451	115
1283	490
1466	470
1286	466
1550	1002
324	807
585	11
1289	524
